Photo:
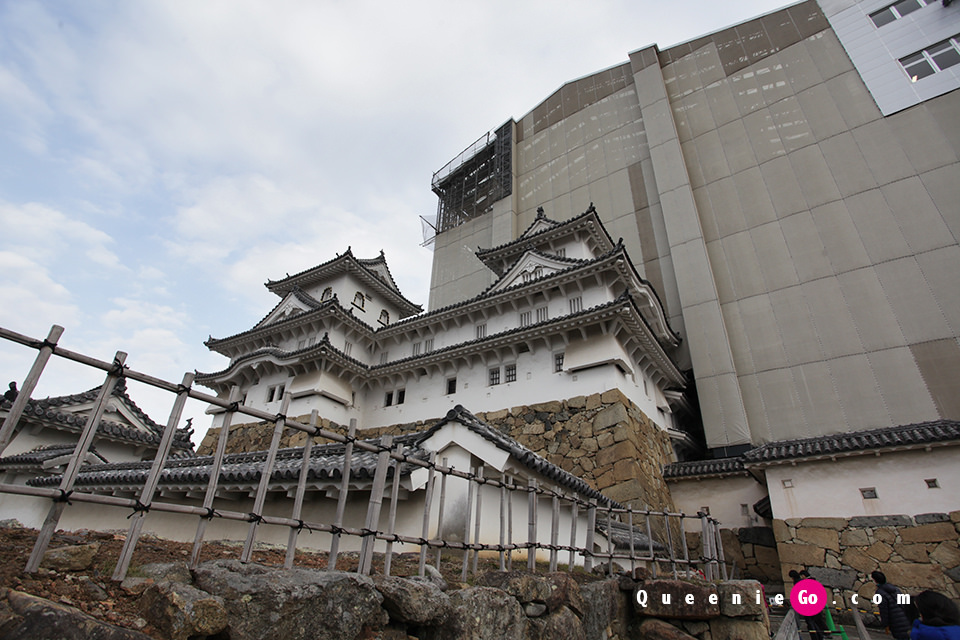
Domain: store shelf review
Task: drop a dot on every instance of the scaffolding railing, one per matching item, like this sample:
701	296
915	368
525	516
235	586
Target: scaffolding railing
611	520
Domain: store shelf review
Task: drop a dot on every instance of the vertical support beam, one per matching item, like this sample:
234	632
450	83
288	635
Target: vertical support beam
392	524
511	488
673	555
591	526
633	555
466	531
214	476
573	532
150	486
427	505
476	526
73	468
653	561
342	498
301	490
373	508
443	499
266	474
503	523
532	525
609	541
683	541
719	550
554	530
706	535
29	384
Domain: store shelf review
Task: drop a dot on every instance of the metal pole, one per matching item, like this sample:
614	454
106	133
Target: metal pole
73	468
150	486
29	384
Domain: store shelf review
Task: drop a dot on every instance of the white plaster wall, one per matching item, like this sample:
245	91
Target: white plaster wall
724	497
832	489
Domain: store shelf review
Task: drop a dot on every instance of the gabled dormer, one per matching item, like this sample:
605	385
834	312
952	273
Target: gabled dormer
293	304
532	266
581	237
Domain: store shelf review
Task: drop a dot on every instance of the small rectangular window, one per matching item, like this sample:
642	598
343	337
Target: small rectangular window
787	484
416	348
932	483
494	376
428	345
311	341
542	315
275	393
301	344
558	362
451	385
510	372
384	355
347	348
869	493
401	395
562	252
524	318
576	304
388	398
481	331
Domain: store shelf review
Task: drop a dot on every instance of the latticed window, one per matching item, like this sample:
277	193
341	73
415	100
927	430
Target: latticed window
481	331
558	361
576	304
494	376
542	315
524	318
510	373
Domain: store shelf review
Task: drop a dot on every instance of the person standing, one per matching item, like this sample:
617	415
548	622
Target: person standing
939	618
892	615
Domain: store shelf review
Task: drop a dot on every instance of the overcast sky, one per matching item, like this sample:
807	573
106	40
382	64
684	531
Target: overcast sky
159	161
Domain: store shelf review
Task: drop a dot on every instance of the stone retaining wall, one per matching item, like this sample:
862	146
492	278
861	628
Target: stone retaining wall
602	438
915	553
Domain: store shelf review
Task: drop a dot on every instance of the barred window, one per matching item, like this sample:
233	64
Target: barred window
524	318
558	361
576	304
510	372
428	345
401	395
481	331
416	348
542	315
494	376
451	385
388	398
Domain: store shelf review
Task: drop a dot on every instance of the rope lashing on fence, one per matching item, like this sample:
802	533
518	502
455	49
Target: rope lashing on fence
63	496
139	507
301	525
211	514
254	517
118	368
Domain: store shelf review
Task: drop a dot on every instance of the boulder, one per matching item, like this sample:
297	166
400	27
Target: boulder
934	532
837	578
654	629
677	599
525	587
412	601
738	629
607	611
27	617
480	613
181	611
73	558
561	624
294	604
738	598
564	592
165	572
762	536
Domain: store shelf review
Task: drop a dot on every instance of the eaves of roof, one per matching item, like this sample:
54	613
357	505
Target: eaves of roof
704	468
340	263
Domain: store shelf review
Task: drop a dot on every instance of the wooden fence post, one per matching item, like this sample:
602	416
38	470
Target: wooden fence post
342	498
150	486
214	478
427	504
373	508
29	384
394	494
73	467
301	490
532	525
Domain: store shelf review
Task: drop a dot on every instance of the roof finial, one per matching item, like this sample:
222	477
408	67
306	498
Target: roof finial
591	209
540	212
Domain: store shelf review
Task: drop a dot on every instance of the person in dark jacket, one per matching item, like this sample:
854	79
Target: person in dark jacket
892	614
939	618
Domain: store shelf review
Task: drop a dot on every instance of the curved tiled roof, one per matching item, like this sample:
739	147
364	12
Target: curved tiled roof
49	411
326	463
366	265
840	443
720	466
37	456
555	224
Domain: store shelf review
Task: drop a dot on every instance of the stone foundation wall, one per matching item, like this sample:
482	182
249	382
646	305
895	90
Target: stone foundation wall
915	553
753	550
602	438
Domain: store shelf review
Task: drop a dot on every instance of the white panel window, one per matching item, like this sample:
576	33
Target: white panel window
576	304
524	318
347	348
416	348
428	345
933	59
542	315
481	331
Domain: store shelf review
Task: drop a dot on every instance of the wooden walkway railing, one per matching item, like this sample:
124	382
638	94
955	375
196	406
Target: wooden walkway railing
612	516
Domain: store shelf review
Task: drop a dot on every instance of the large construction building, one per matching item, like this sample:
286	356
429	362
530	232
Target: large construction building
790	186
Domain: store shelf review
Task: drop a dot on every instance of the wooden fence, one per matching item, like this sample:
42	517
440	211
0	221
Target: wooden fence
631	524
